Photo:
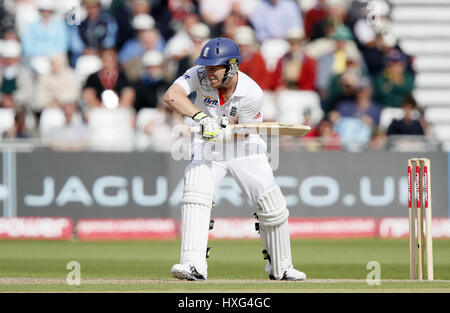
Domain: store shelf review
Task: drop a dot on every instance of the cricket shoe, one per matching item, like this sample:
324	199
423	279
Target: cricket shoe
186	271
290	274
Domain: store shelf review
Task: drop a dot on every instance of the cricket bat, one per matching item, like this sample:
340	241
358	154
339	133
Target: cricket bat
268	128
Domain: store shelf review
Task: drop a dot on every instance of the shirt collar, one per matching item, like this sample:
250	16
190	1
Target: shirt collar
241	89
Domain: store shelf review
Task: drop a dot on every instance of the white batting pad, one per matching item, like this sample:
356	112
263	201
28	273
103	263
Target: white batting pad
195	215
273	219
199	184
194	236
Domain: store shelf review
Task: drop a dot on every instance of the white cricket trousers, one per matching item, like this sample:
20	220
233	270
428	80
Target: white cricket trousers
202	178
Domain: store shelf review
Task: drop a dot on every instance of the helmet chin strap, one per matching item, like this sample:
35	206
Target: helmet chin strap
229	73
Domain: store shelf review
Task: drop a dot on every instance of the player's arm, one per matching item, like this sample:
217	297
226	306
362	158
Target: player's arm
177	99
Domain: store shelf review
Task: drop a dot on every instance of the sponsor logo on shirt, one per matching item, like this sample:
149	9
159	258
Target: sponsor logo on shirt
257	116
209	101
186	76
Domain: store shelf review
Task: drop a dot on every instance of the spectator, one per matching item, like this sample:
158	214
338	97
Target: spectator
10	34
185	46
355	133
390	43
160	11
181	45
110	77
273	18
356	9
214	13
234	20
394	84
295	70
376	41
25	12
60	86
344	86
16	83
73	135
374	54
335	17
373	19
199	33
7	20
98	29
147	38
181	9
355	121
323	137
19	130
408	125
362	107
48	35
377	140
315	16
335	62
253	63
122	12
325	45
152	84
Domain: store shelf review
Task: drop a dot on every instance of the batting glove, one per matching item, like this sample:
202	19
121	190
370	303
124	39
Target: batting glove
226	129
210	128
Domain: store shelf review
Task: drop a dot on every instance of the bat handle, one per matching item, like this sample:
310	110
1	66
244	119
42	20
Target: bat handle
195	129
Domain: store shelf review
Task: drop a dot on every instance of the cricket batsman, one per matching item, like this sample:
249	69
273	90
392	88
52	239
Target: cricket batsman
226	96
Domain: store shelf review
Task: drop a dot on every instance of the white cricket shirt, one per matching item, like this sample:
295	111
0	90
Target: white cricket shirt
244	106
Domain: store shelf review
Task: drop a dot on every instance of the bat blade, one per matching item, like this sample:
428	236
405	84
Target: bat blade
272	129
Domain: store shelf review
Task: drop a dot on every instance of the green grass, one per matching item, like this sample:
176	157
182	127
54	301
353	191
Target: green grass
234	262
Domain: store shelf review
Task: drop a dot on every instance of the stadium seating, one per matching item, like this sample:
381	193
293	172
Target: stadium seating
423	28
433	80
6	120
86	65
51	118
143	117
432	97
431	63
388	115
410	13
111	130
272	50
40	65
270	109
293	103
442	133
438	115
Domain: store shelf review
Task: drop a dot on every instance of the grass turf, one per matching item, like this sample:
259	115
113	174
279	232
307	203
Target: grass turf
234	266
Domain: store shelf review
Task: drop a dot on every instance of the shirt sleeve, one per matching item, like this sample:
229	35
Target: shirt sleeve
251	112
189	80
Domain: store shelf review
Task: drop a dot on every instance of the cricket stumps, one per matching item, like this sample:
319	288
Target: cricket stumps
419	203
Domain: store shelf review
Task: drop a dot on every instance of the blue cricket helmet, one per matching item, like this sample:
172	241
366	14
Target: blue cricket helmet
219	51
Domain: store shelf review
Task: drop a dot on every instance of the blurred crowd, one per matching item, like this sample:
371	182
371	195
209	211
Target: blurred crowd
79	56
